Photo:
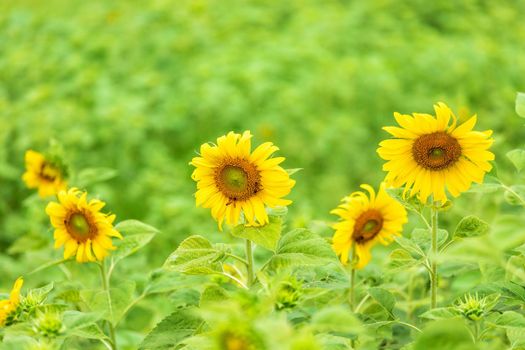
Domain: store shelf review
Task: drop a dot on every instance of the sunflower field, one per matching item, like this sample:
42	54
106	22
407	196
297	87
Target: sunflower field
262	175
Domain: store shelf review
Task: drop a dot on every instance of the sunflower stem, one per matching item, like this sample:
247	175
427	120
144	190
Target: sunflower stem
105	285
434	247
352	279
249	260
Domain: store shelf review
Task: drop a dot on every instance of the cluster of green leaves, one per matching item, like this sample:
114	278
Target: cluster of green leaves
72	314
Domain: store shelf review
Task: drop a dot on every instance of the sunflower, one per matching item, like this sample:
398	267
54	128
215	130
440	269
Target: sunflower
429	154
9	306
231	179
366	220
43	174
80	226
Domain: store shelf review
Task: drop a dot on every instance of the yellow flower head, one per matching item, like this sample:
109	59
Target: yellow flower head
43	174
366	220
429	154
231	179
80	226
7	307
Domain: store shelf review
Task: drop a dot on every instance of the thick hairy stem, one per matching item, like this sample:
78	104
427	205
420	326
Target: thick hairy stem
433	266
249	260
105	285
352	279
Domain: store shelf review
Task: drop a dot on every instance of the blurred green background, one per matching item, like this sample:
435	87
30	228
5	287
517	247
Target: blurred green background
138	85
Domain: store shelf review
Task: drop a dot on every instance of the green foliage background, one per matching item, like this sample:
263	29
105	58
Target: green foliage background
137	86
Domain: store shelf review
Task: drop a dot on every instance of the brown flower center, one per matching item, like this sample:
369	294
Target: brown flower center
238	179
48	172
436	151
80	227
367	226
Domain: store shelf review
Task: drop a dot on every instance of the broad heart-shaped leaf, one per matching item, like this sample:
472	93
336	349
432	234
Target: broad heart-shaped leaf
90	176
172	330
401	259
83	324
445	334
266	236
301	247
471	226
422	237
136	235
121	296
517	157
410	246
197	256
384	298
520	104
441	313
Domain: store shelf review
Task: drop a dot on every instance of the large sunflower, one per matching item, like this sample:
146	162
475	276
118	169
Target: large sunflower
80	226
9	306
366	220
43	174
231	179
429	154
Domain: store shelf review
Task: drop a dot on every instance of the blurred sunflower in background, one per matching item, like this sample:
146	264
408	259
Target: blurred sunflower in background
232	179
44	174
366	220
430	153
9	306
80	226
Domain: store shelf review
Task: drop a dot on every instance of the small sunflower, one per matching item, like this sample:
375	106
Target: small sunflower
366	220
80	226
231	179
9	306
429	154
43	174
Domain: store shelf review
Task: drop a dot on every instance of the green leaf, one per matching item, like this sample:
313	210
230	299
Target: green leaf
510	319
90	176
384	298
136	235
301	247
172	330
441	313
445	334
89	332
490	184
410	246
197	256
400	258
515	195
516	336
517	157
27	243
213	293
422	238
42	292
336	320
266	236
121	296
515	290
520	104
471	226
83	324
